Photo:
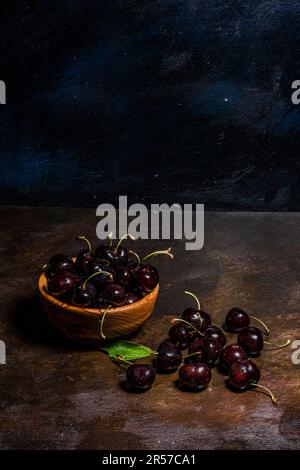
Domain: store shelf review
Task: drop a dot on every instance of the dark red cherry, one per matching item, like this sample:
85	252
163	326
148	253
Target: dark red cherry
140	376
124	277
251	340
146	277
211	352
81	297
100	301
169	357
114	294
131	298
59	264
196	347
82	262
236	320
198	318
117	256
242	374
195	376
181	335
62	283
230	354
106	275
215	333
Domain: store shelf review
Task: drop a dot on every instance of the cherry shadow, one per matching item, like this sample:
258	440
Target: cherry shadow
31	322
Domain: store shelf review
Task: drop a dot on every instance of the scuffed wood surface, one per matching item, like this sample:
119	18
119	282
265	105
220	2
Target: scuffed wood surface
55	394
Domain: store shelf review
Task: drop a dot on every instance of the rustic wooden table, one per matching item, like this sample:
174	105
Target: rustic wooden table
55	394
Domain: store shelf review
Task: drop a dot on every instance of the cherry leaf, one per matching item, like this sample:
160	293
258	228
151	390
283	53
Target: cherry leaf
127	350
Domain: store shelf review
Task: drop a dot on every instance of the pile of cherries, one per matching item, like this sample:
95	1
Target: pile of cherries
111	276
206	345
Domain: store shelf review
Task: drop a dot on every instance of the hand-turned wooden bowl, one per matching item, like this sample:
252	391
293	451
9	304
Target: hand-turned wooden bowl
83	324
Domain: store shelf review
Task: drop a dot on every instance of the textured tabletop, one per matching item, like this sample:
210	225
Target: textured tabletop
55	394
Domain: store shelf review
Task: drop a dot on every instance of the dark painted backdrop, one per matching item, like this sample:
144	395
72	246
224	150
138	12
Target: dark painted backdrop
162	100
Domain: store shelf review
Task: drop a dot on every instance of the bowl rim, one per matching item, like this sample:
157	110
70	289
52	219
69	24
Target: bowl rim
42	282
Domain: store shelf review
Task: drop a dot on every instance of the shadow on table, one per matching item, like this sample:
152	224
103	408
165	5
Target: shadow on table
32	323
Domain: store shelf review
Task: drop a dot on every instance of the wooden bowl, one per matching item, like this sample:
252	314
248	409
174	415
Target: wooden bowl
83	324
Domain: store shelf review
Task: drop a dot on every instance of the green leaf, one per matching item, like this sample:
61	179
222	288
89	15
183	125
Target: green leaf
127	350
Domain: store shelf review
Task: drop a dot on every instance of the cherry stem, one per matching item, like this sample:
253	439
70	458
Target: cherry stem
160	252
44	267
192	354
102	322
136	255
267	332
110	239
83	237
270	394
96	274
175	320
122	359
279	346
121	239
194	296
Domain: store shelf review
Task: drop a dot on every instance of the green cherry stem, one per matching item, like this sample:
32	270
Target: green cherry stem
136	255
267	331
176	320
270	394
102	322
192	354
122	359
160	252
83	237
96	274
194	296
110	239
279	346
121	239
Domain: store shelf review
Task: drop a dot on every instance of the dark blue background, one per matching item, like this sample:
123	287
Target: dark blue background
166	101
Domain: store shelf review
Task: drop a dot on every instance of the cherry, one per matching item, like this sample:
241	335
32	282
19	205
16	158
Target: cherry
106	275
116	255
237	319
114	294
146	277
169	357
124	277
211	351
59	264
83	258
140	376
215	333
251	340
131	298
196	317
230	354
243	373
181	335
84	294
100	301
195	376
62	283
196	346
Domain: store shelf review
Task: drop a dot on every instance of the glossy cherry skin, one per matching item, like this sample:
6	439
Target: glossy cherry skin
59	264
196	347
242	374
62	283
211	352
146	277
115	257
131	298
251	340
124	277
82	262
181	335
215	333
236	320
140	376
169	357
195	376
102	279
230	354
114	294
198	318
81	297
100	301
